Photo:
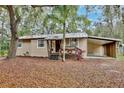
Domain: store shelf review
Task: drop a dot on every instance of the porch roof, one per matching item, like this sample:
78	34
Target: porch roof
68	35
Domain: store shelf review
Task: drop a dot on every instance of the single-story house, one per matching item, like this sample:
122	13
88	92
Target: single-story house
37	45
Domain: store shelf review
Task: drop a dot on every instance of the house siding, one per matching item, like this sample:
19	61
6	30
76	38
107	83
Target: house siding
31	47
39	52
19	51
25	48
83	45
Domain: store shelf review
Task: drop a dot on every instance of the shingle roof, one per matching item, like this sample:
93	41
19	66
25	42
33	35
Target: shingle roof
56	36
68	35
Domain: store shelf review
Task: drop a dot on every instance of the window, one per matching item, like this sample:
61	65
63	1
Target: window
19	44
40	43
73	42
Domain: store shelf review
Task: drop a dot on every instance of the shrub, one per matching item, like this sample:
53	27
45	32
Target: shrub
2	53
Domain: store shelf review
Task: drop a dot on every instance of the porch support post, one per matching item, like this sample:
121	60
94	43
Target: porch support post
50	45
48	48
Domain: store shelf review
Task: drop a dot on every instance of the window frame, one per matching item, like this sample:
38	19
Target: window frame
77	41
38	43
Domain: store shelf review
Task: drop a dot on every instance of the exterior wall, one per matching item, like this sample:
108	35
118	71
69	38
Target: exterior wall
32	48
25	48
20	51
95	49
39	52
83	45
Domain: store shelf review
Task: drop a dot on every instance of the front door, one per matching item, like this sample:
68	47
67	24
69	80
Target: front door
58	42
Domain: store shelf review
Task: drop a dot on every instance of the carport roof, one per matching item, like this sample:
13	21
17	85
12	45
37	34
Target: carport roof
104	38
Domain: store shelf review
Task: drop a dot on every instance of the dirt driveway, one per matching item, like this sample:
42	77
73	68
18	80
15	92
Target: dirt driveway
41	72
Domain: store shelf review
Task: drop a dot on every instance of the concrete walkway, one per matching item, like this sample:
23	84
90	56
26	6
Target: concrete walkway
93	57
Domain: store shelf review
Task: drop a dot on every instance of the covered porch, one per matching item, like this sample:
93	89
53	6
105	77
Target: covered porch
55	48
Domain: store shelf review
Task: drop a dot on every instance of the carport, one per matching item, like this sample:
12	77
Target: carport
102	47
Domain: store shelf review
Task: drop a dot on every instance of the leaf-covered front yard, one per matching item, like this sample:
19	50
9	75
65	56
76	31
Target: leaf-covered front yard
41	72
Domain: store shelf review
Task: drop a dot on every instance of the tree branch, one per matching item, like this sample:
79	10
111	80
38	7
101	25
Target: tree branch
18	20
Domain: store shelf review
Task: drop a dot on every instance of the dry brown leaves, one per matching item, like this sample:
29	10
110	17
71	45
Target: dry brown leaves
41	72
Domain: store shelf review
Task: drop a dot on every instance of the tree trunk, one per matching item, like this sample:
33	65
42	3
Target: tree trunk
1	36
111	26
13	28
64	42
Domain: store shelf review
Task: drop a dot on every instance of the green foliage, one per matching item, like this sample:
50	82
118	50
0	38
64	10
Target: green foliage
3	47
68	15
86	21
110	24
2	53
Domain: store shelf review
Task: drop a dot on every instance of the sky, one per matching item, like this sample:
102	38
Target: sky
93	16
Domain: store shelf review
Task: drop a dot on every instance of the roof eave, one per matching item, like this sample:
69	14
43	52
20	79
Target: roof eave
105	38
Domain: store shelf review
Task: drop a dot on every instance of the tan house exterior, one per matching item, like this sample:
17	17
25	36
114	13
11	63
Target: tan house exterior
91	45
32	48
